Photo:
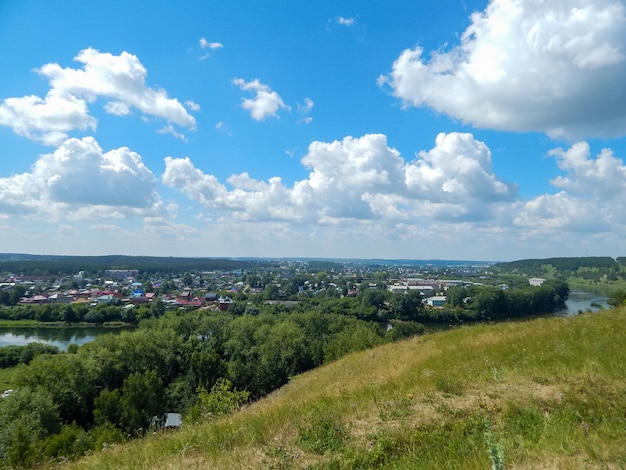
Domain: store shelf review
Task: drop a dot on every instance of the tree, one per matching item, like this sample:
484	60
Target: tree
69	379
489	302
404	329
69	315
26	417
406	306
617	298
143	398
222	400
355	337
107	407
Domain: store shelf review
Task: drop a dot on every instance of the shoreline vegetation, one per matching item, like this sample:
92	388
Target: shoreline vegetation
4	323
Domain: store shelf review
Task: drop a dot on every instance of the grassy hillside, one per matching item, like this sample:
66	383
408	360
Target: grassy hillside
549	393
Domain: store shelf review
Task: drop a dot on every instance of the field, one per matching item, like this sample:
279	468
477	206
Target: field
547	393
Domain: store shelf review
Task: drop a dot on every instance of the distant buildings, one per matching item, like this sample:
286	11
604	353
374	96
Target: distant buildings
436	301
120	273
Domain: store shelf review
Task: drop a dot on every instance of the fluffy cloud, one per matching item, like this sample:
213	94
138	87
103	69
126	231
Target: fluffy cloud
265	103
358	179
79	180
550	213
119	78
48	119
592	197
603	177
527	65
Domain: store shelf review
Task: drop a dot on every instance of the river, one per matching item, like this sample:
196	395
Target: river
59	337
583	301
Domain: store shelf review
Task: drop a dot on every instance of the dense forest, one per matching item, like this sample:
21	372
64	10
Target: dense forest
48	265
562	265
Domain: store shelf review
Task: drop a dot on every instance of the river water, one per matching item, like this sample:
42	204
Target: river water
59	337
583	302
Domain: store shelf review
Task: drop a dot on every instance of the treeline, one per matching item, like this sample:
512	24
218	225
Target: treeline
540	266
48	265
118	386
491	303
10	356
83	313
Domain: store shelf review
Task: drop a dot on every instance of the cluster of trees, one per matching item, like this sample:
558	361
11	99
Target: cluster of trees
570	264
591	268
617	298
83	313
113	388
10	356
12	296
51	265
470	303
490	303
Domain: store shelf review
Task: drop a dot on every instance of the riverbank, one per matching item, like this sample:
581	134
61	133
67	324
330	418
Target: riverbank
61	324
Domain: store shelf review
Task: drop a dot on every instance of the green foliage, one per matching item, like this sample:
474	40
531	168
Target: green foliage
50	265
559	400
105	435
68	379
222	400
355	337
108	407
488	302
538	266
26	417
617	298
10	356
143	398
495	449
115	386
407	306
71	442
404	329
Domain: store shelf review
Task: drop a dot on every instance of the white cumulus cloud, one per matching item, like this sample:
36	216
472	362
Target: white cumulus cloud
358	179
120	78
265	103
79	180
527	65
47	120
604	176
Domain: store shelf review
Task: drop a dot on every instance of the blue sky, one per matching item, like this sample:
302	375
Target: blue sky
485	130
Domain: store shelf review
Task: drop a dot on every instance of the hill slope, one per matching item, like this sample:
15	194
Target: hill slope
548	393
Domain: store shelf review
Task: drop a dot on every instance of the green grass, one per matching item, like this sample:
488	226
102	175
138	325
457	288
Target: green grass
548	393
19	323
